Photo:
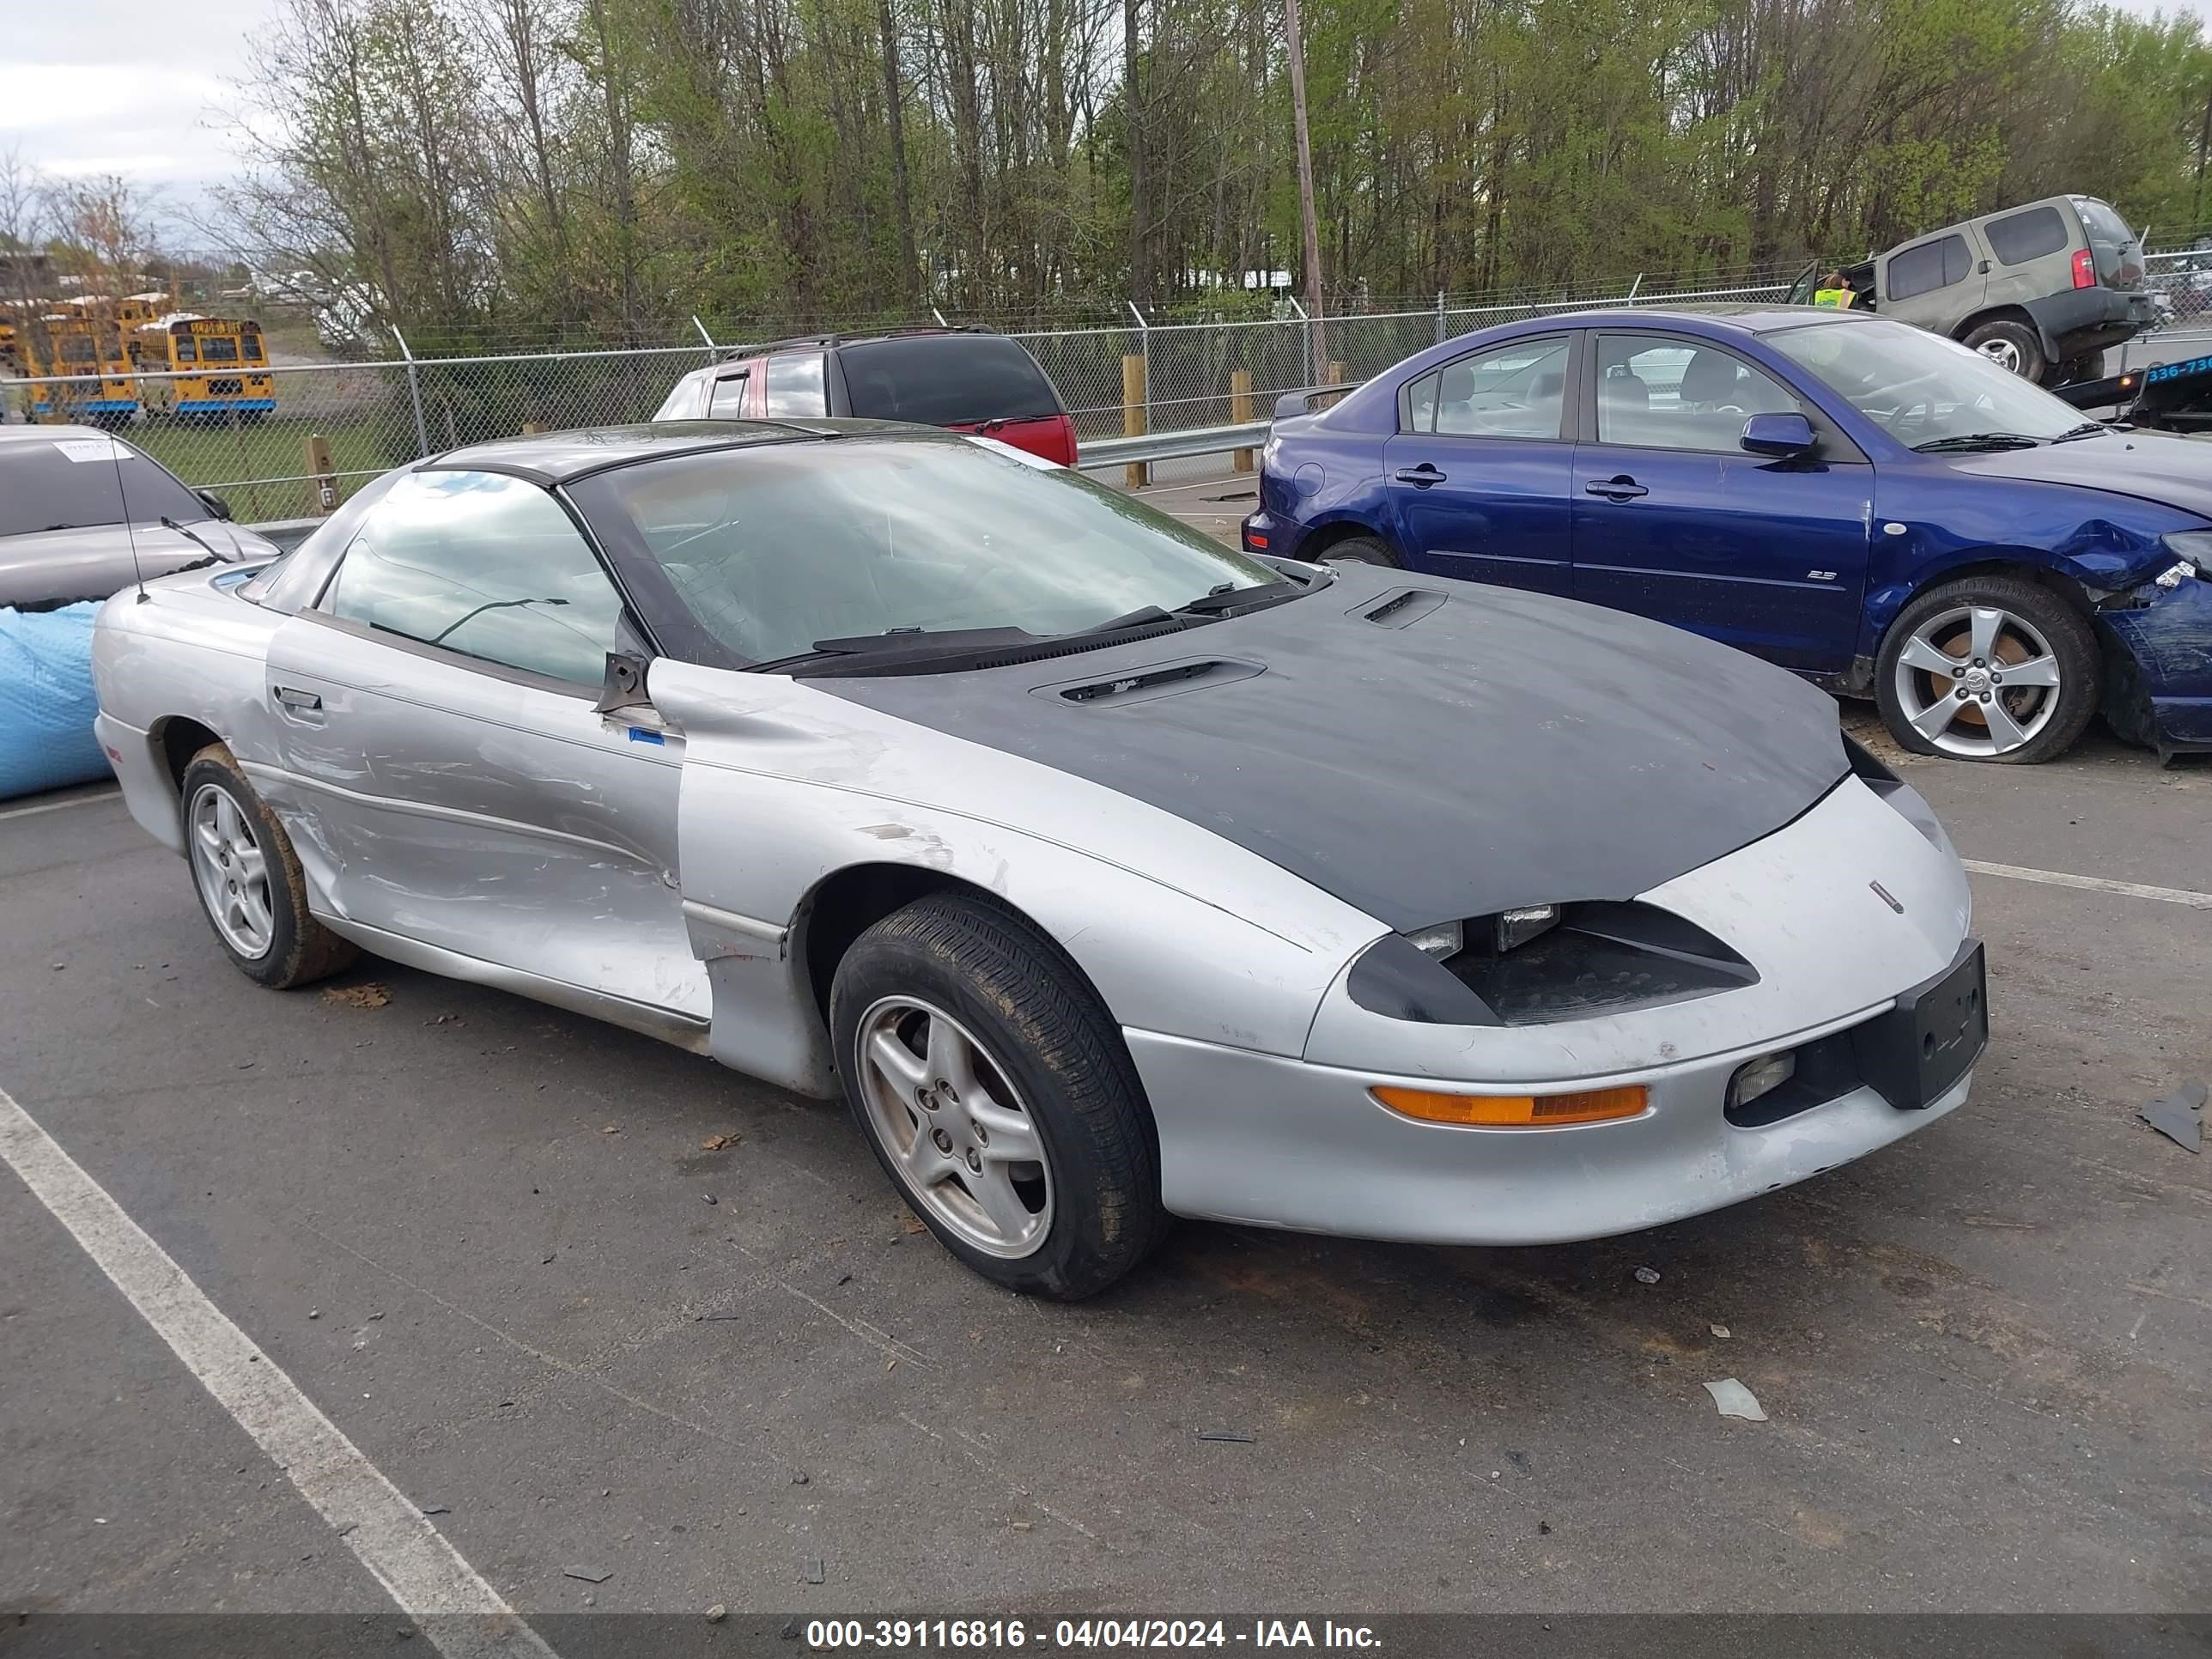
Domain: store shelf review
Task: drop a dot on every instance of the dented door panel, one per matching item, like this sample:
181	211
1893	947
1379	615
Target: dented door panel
482	813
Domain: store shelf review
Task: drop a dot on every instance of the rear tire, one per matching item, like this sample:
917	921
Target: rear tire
248	878
2075	370
1360	550
2012	346
955	1022
1967	637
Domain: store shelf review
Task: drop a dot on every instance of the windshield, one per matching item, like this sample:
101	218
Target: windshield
773	547
68	483
1920	387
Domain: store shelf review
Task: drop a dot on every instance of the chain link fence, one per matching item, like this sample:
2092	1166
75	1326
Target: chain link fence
336	425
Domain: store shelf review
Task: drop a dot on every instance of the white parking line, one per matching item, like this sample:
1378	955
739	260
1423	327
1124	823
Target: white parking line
59	805
2092	884
464	1617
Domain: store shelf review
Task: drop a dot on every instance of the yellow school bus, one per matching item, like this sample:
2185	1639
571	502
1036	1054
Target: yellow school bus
70	343
218	366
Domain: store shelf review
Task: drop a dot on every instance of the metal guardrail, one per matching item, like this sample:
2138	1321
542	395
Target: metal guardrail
1171	446
1098	453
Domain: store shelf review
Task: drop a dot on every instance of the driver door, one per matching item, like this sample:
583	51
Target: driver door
1481	465
445	776
1674	521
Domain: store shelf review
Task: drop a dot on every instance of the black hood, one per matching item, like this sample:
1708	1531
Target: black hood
1470	749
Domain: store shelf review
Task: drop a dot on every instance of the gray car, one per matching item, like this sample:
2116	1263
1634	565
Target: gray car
2042	290
84	514
1109	874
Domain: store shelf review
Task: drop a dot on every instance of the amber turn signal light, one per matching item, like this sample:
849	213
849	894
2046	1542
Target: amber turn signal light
1515	1111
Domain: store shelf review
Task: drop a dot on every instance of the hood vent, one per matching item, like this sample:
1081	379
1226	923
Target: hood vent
1400	607
1160	680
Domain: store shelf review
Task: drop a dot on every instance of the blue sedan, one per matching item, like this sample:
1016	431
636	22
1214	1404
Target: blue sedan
1879	510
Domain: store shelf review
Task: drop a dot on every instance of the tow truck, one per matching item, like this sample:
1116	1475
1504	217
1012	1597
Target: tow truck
2174	397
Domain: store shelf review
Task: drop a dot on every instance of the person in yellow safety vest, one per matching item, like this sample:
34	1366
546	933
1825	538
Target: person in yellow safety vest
1834	292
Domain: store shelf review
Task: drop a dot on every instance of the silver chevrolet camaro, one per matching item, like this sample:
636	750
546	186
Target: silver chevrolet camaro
1109	874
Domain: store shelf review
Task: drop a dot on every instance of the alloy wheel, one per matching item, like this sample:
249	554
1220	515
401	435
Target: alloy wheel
232	871
963	1143
1978	681
2003	353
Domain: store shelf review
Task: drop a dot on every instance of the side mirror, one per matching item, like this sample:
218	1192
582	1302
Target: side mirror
217	507
624	684
1783	436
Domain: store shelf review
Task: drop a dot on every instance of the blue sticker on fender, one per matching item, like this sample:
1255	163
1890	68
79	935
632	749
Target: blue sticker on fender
639	734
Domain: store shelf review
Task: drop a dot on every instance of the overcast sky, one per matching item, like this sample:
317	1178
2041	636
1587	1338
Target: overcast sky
140	87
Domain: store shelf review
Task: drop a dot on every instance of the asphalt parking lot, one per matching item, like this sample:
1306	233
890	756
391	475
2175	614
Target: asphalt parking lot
477	1234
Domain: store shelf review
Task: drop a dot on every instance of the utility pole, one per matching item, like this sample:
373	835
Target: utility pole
1297	50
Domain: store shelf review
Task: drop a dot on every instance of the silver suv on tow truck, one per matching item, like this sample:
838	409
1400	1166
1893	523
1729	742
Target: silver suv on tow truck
2043	290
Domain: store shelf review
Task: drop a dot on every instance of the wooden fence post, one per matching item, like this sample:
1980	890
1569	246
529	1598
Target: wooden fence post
1240	412
325	475
1133	416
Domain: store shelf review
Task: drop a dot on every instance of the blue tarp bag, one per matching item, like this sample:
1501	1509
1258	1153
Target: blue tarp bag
46	703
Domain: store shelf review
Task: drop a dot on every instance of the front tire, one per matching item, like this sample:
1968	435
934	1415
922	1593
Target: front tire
999	1096
2012	346
248	877
1988	668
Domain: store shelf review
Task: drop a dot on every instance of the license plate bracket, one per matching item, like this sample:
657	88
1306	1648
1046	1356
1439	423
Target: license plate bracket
1914	1054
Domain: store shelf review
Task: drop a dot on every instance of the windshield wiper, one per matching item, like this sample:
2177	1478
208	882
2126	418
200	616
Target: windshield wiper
2087	429
1973	441
1143	615
1228	597
903	642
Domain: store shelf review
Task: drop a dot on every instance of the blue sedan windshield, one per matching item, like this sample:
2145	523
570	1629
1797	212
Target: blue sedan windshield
1920	387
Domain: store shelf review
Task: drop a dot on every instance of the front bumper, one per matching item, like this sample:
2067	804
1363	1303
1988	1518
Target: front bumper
2166	702
1285	1143
1851	916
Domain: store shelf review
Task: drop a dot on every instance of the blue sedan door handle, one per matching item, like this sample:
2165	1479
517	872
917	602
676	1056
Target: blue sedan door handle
1422	475
1622	488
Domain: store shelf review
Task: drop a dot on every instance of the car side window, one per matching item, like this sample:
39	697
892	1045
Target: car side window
1662	392
794	387
484	565
1421	402
2019	237
1513	391
1931	265
727	401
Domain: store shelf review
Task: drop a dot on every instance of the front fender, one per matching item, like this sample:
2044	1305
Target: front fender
2107	546
785	786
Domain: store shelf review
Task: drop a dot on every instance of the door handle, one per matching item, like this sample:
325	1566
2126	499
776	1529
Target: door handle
1623	489
292	698
1422	475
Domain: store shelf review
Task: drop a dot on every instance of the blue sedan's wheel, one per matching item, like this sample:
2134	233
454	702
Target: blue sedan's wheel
1987	669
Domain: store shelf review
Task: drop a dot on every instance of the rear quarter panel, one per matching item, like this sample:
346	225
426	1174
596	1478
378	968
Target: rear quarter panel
192	651
1312	478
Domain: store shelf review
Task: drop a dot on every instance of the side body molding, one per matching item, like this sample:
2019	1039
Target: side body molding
784	787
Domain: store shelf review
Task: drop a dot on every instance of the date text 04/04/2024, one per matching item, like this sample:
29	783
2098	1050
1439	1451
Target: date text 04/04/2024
929	1635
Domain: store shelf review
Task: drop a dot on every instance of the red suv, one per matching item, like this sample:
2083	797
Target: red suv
966	379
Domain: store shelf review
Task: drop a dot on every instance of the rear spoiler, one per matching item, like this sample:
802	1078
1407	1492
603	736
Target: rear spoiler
1301	402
